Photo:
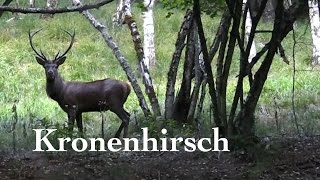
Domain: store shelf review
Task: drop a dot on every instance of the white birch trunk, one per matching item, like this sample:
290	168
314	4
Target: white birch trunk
315	30
123	9
124	16
51	4
248	26
148	30
31	3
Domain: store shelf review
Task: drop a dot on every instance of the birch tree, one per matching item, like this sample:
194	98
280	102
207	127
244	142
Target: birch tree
51	4
31	3
315	30
248	25
148	32
124	16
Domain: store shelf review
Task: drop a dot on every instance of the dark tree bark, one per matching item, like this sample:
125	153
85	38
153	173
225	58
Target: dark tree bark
182	102
283	24
6	3
202	96
222	30
198	76
223	66
212	88
243	62
222	78
218	42
172	74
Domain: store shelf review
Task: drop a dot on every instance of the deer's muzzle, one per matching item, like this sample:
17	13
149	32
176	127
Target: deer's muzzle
50	75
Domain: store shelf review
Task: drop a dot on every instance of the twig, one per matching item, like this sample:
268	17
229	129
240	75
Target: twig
293	82
282	54
15	121
308	70
263	31
276	114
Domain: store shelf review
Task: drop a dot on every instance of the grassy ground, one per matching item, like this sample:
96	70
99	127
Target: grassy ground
22	79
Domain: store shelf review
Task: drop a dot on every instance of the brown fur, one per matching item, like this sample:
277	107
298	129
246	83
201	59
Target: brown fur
76	98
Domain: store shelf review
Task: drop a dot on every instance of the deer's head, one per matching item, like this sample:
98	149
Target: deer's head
51	65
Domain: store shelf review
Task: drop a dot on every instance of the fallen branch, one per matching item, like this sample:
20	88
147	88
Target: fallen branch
6	3
78	8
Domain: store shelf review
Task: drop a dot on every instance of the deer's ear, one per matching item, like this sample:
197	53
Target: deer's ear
40	60
60	60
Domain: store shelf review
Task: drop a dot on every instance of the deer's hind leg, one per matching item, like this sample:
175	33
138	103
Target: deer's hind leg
124	116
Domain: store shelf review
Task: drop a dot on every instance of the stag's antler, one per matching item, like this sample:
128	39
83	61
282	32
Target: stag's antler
58	56
41	55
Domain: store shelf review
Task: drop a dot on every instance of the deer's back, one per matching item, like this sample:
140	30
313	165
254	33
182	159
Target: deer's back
96	95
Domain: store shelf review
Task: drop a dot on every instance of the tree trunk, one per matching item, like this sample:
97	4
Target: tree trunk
244	56
147	80
117	18
31	3
124	16
315	30
248	25
51	4
223	29
223	65
148	32
202	96
198	76
182	102
172	74
207	64
227	64
283	24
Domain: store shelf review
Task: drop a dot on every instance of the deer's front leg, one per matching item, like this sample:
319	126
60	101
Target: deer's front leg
71	119
79	123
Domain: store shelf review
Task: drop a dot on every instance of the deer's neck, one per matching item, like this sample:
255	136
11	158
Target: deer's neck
55	88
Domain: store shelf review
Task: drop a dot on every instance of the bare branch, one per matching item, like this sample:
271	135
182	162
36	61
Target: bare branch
282	54
6	3
54	11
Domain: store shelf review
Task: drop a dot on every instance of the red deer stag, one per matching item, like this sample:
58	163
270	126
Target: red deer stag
78	97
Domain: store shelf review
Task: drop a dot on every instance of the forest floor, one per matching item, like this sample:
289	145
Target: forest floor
285	158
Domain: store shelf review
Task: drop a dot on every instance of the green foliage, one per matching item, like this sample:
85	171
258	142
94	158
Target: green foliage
210	7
